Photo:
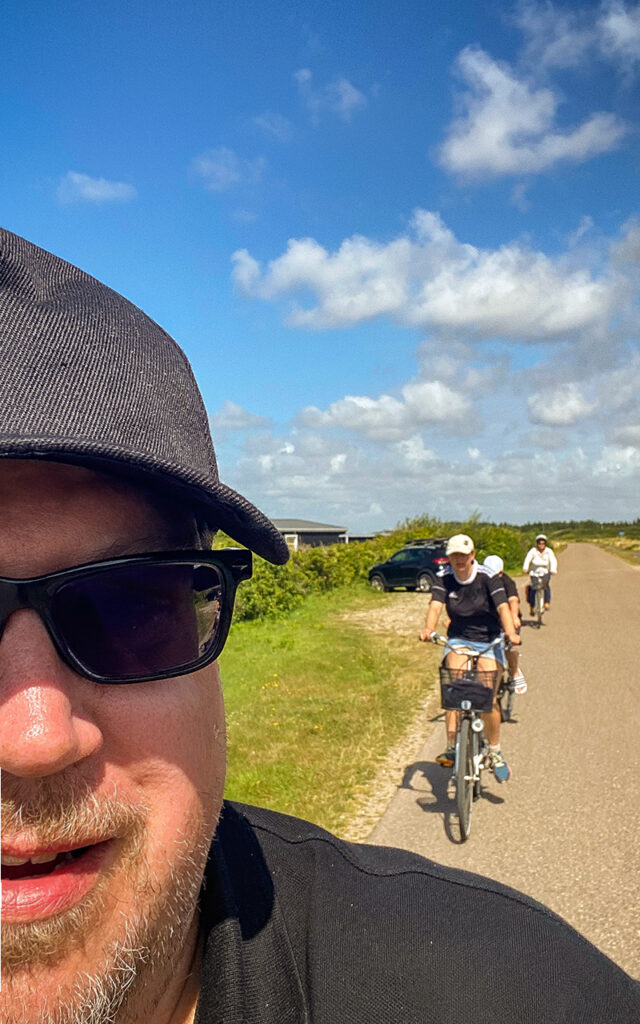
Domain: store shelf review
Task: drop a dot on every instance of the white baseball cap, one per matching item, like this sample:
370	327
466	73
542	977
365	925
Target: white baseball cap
460	544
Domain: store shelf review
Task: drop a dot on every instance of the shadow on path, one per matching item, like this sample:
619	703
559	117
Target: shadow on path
438	795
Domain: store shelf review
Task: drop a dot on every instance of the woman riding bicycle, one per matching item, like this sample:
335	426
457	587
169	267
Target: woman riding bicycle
478	609
540	561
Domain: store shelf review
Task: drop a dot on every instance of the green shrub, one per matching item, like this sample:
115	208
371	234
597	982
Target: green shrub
277	590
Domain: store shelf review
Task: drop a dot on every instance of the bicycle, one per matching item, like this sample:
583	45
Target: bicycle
506	696
537	582
470	691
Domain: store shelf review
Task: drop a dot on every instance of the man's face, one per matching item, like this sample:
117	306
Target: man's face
122	785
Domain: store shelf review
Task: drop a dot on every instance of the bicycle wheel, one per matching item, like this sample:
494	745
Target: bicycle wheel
539	606
476	746
505	702
509	707
464	777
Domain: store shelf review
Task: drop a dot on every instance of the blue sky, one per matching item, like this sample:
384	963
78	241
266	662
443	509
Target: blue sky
400	244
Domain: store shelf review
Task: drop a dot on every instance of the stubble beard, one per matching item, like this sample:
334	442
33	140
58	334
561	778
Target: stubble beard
124	983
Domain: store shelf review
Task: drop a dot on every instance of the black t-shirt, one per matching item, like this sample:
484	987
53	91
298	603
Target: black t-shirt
509	586
302	928
471	606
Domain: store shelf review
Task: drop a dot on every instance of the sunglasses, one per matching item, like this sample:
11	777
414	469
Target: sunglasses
138	618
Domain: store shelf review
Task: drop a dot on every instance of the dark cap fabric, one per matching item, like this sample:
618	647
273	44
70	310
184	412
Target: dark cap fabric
88	378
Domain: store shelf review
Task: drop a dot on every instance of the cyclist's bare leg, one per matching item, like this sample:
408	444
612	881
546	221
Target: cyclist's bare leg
451	725
453	660
512	661
492	725
492	718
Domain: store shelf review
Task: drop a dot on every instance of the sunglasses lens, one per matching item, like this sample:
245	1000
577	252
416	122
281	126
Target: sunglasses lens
132	621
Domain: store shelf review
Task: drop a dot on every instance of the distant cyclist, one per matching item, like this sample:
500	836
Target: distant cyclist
478	609
540	561
495	564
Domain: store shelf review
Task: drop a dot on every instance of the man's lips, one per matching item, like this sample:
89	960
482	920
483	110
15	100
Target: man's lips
50	881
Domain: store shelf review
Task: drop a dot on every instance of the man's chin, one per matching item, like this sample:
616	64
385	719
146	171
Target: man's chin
90	965
73	986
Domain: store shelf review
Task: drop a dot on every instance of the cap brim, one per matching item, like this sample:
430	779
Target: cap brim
219	506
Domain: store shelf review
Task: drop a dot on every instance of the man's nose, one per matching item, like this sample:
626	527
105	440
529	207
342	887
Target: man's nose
45	719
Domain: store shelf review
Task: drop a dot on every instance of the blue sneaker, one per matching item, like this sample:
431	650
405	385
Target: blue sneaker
499	766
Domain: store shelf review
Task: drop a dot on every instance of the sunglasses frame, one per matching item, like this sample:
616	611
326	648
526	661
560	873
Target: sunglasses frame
36	593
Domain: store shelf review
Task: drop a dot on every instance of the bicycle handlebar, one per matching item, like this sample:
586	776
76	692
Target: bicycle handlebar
443	641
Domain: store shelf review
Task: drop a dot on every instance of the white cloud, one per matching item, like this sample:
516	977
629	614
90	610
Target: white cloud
519	197
388	418
555	37
221	168
337	97
617	461
429	279
628	435
547	438
369	485
560	406
627	250
509	125
231	416
274	125
619	28
80	188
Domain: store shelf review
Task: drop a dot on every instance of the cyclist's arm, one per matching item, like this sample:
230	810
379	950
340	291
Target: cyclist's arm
432	619
553	563
506	620
514	605
527	561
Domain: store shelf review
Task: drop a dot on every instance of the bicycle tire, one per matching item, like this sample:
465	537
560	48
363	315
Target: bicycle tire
539	606
464	778
509	708
505	703
476	743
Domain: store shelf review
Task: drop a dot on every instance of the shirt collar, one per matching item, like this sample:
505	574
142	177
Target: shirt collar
474	573
249	973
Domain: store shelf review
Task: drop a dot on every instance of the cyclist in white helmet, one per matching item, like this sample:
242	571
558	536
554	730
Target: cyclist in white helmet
540	561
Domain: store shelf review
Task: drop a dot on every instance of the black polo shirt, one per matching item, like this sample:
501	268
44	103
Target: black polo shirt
302	928
471	606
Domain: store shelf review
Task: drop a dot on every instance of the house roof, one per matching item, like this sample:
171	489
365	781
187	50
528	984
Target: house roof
305	526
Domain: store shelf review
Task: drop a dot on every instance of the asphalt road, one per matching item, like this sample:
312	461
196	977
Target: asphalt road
566	828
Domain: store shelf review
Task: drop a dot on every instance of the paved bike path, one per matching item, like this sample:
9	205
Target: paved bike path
566	828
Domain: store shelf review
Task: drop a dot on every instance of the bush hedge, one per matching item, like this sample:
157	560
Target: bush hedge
277	590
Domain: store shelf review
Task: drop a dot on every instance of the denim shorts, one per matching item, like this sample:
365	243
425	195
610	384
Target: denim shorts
494	653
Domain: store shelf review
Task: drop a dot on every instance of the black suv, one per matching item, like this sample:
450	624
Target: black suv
415	566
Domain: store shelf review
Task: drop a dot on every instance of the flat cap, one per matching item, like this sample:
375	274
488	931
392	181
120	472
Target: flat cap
88	378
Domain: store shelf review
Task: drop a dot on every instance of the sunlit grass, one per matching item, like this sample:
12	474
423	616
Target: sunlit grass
313	704
627	548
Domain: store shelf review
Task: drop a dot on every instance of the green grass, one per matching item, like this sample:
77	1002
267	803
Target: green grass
626	548
313	704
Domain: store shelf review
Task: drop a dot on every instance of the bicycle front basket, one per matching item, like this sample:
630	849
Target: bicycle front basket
463	689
